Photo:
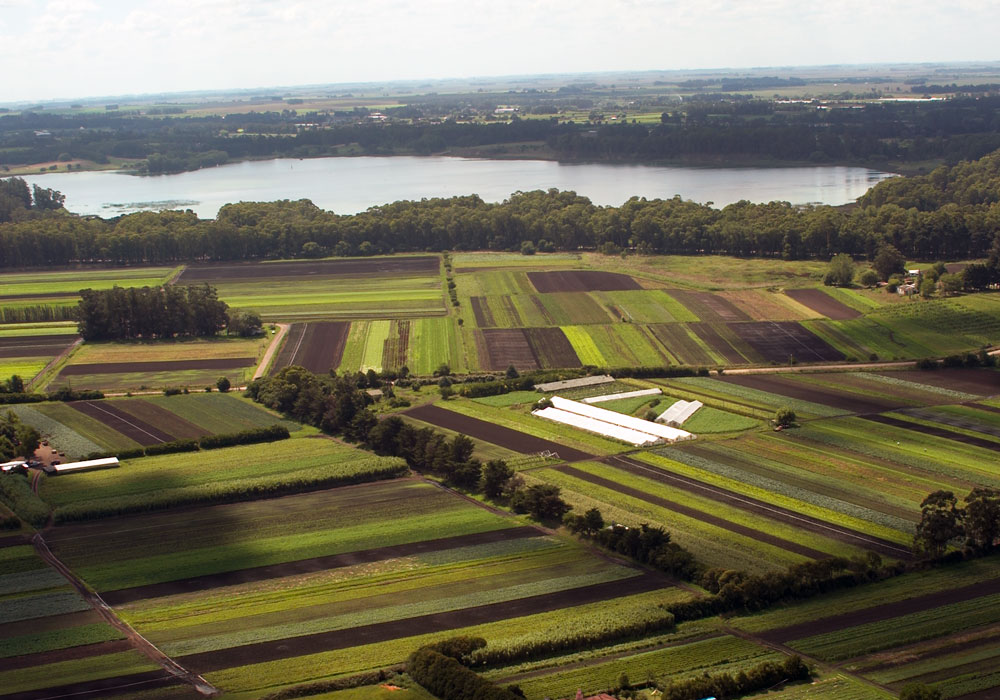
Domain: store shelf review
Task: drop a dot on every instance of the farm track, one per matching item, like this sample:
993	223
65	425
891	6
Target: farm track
125	423
881	612
55	361
313	565
496	434
438	622
175	670
271	350
388	267
157	366
694	513
758	507
101	688
935	431
823	304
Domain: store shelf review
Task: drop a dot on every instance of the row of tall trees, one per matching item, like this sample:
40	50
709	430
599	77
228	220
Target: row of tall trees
150	312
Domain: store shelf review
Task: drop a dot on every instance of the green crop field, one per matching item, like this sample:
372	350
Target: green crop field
220	413
42	283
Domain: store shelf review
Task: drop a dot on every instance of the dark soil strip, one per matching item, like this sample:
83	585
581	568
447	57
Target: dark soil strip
163	366
14	540
855	403
823	303
126	424
581	281
322	346
954	421
31	351
552	347
152	414
379	267
777	341
496	434
752	505
57	655
695	513
308	566
49	623
44	295
981	382
58	341
709	307
715	341
290	347
506	347
480	311
944	650
988	694
103	688
438	622
983	407
936	432
883	611
957	670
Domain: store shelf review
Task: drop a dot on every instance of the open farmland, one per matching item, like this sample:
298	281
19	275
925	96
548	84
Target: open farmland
823	304
316	346
388	287
336	573
128	366
83	427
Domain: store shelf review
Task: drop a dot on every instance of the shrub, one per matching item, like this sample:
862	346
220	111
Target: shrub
446	678
172	391
21	397
16	493
175	446
245	437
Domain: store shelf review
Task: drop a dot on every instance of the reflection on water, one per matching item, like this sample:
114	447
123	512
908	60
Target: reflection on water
350	185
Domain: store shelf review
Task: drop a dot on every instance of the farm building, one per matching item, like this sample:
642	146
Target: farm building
623	395
663	432
679	412
86	465
14	466
598	427
574	383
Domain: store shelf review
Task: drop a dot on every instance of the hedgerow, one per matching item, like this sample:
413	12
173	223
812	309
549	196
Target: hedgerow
16	493
725	685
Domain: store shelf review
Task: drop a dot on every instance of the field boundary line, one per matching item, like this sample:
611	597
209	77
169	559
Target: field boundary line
55	361
272	349
123	420
141	644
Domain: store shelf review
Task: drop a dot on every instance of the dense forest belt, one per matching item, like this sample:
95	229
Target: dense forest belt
948	215
753	505
316	564
706	128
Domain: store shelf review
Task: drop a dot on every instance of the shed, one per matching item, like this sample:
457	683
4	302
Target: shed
574	383
376	394
86	465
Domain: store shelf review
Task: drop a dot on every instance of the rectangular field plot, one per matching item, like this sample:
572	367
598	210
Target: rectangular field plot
823	304
779	342
709	307
233	473
397	266
70	282
645	306
316	346
581	281
621	345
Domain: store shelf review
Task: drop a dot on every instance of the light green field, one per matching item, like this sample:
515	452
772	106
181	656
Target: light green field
25	367
42	283
18	330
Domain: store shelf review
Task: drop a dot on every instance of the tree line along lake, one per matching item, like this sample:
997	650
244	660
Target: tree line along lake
351	185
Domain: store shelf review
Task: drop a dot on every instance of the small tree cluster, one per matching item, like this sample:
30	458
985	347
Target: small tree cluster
150	312
726	685
645	544
943	520
17	439
441	669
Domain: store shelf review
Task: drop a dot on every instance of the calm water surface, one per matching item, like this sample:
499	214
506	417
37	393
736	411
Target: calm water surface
350	185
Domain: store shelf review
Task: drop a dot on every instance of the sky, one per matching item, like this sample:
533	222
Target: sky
56	49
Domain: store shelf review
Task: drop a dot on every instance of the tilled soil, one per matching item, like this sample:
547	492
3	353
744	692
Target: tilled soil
581	281
823	303
159	366
125	423
855	403
981	382
102	688
496	434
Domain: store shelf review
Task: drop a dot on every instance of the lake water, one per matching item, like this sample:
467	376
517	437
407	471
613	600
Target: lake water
350	185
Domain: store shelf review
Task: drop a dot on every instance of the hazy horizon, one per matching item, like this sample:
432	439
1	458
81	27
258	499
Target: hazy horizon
76	49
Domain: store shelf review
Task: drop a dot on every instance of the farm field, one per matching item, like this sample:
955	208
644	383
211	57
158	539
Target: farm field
80	428
29	353
335	573
389	287
156	364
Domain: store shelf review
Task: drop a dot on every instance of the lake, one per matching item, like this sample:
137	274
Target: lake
350	185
